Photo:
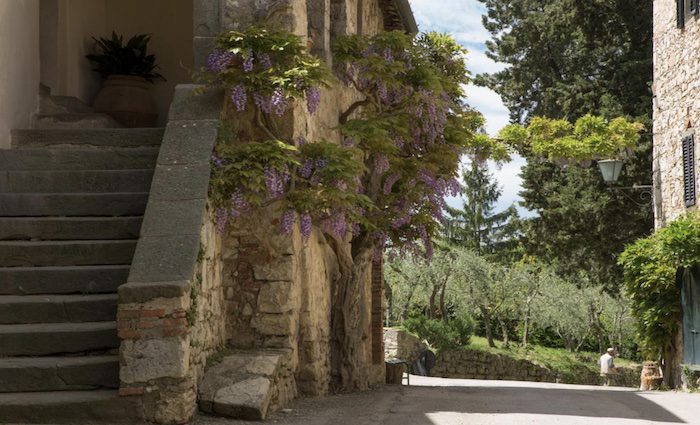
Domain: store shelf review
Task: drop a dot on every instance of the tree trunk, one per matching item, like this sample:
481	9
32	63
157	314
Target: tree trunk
487	326
443	308
350	362
504	332
431	304
526	324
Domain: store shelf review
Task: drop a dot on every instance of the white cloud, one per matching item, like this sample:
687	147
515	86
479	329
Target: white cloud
490	105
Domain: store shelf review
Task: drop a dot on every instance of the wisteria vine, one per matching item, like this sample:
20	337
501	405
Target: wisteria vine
386	179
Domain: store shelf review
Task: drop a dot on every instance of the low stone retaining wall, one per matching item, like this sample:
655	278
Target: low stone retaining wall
475	364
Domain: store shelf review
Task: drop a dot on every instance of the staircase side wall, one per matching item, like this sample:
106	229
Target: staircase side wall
19	65
170	317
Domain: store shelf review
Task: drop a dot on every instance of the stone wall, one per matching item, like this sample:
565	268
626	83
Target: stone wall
476	364
399	344
170	314
676	105
676	114
278	287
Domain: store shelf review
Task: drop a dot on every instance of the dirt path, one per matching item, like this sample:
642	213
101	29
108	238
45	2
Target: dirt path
435	401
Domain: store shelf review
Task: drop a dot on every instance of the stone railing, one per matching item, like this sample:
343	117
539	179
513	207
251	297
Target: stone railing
476	364
171	311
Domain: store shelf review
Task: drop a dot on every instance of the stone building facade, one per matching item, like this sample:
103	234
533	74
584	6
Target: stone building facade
676	118
194	298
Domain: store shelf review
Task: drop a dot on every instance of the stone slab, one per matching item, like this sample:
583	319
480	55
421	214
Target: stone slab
87	137
72	204
78	159
188	142
66	253
69	228
58	373
56	338
70	407
184	217
165	258
84	181
62	280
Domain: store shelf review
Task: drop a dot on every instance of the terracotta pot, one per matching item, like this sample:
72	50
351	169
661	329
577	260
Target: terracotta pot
127	99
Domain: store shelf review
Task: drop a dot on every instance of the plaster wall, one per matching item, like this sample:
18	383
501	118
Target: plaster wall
19	64
170	22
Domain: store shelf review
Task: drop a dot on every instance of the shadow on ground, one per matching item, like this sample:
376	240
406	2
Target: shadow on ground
472	404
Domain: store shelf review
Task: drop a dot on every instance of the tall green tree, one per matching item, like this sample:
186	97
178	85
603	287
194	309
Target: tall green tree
476	225
566	59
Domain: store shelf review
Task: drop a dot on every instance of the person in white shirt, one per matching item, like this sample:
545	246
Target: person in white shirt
607	366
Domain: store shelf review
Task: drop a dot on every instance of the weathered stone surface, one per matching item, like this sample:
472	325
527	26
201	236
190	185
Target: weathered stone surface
180	182
189	142
274	297
143	360
399	344
188	105
277	269
274	324
164	258
241	385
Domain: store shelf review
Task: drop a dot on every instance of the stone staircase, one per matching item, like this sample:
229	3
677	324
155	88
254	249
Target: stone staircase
72	199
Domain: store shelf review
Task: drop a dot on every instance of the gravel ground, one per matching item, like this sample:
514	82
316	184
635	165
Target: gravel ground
436	401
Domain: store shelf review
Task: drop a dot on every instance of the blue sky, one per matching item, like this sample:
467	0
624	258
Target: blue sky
462	19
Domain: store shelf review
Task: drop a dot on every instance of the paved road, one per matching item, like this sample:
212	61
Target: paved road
435	401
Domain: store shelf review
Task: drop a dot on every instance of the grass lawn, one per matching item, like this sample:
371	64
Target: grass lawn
568	363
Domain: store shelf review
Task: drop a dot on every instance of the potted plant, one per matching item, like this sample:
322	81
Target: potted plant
128	72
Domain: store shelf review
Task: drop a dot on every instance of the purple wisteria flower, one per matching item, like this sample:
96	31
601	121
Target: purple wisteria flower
219	60
239	205
221	219
262	102
307	169
381	163
275	181
383	93
313	99
305	225
278	102
388	55
336	224
301	141
265	61
218	162
249	63
239	97
287	222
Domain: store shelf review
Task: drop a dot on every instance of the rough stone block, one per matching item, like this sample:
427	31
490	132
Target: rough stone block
278	269
275	297
144	360
274	324
242	384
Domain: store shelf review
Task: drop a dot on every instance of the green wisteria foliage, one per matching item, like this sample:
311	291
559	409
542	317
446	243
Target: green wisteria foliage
401	141
590	137
650	267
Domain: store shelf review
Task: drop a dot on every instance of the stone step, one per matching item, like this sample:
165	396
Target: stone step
70	407
89	181
62	280
87	137
72	204
53	159
18	374
18	309
57	338
66	253
73	121
62	105
69	228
